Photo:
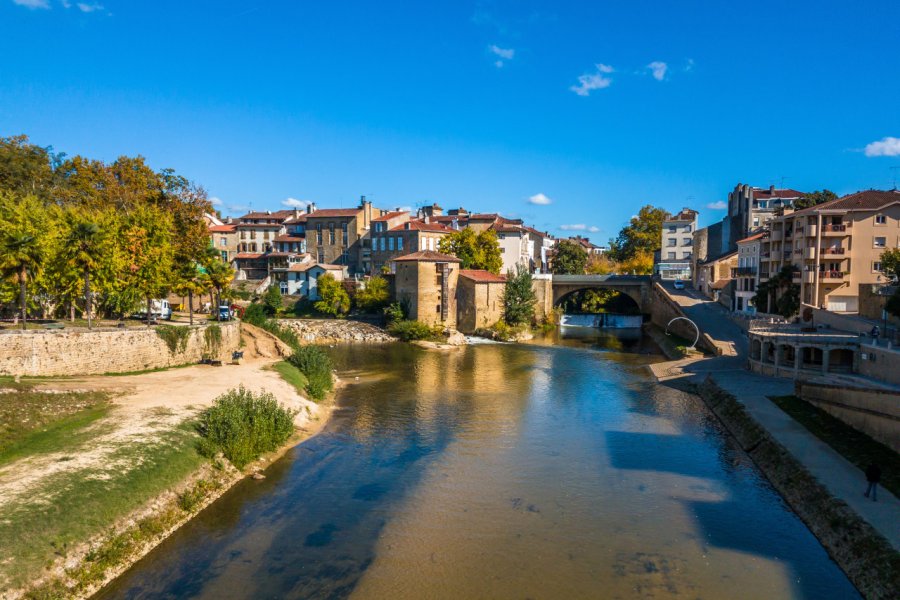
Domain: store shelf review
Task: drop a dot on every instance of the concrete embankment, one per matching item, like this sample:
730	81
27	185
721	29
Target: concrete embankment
867	558
335	331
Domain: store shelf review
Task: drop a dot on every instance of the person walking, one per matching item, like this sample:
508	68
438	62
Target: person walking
875	333
873	476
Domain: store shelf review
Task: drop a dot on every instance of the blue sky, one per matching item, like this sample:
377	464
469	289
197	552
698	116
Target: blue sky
596	108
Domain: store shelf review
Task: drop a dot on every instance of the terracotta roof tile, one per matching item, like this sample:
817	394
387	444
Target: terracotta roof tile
223	228
479	276
865	200
427	256
323	213
391	215
418	225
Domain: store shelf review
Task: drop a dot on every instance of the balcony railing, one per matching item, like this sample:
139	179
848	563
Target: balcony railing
831	274
833	250
834	228
786	254
743	271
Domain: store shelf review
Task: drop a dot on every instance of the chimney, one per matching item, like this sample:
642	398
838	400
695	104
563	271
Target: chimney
772	189
426	219
296	212
311	208
268	212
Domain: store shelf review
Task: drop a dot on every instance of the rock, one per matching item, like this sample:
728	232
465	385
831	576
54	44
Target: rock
455	338
330	331
257	476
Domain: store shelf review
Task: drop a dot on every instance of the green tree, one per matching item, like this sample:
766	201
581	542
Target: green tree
814	198
893	304
333	298
26	168
149	255
272	300
518	297
86	248
643	235
475	250
570	258
22	235
220	277
374	296
779	294
890	262
191	278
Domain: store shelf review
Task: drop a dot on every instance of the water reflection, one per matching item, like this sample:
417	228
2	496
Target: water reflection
501	471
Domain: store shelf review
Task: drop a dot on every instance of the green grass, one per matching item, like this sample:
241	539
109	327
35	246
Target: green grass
292	375
75	506
34	422
853	445
144	371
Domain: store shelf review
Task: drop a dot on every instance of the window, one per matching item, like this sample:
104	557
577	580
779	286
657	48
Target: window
670	256
321	257
224	242
331	233
687	228
673	228
756	221
687	241
391	244
399	243
672	242
422	244
880	219
687	255
876	266
431	243
382	242
318	233
880	242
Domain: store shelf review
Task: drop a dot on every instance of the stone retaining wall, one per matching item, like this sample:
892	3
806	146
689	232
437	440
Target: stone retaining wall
335	331
664	309
109	350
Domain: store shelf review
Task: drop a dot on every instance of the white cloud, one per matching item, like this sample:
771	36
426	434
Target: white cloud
717	205
237	208
689	65
408	209
215	201
593	229
88	8
889	146
294	203
593	81
574	227
540	200
658	69
504	53
32	3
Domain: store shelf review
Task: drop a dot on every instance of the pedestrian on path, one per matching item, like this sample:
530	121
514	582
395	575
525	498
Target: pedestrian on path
875	333
873	476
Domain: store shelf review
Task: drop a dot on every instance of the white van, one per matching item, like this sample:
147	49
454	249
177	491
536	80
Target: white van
159	309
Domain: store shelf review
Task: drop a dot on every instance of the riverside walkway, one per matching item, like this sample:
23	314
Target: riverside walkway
843	479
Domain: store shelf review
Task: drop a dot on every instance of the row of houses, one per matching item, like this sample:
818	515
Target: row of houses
831	250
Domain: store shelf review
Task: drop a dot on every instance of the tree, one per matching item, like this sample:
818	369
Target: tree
374	296
149	256
570	259
333	298
893	304
890	262
600	264
643	235
640	263
191	278
779	294
86	249
272	300
518	297
22	234
475	250
220	276
814	198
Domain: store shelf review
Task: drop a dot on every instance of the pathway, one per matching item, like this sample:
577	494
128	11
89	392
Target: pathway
842	478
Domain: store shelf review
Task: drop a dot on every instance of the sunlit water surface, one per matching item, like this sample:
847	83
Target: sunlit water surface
558	469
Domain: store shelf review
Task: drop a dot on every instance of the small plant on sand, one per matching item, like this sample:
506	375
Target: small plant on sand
243	425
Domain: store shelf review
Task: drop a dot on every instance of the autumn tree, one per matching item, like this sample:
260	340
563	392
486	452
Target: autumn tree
22	250
374	296
333	298
147	237
600	264
890	262
475	250
640	238
569	258
87	249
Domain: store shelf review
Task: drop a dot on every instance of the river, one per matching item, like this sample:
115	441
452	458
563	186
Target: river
558	469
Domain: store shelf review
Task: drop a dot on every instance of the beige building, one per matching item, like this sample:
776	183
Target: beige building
341	236
834	247
393	238
224	238
479	299
426	281
677	245
746	274
714	277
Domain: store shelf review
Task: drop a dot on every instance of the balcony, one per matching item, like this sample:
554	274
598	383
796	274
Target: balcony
809	254
809	276
831	276
833	251
776	235
812	230
795	276
834	229
743	272
786	254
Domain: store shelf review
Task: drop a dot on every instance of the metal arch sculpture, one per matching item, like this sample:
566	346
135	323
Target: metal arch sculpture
697	329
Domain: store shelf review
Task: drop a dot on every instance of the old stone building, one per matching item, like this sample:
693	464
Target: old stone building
341	236
426	281
479	299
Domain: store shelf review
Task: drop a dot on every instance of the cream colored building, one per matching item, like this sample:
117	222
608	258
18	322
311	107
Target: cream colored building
426	282
746	274
834	247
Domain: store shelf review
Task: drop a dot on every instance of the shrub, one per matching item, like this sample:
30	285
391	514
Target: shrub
175	337
242	425
316	365
394	312
334	299
255	314
374	296
413	330
272	300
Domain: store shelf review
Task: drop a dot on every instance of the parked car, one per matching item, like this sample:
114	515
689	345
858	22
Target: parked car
226	313
159	309
678	285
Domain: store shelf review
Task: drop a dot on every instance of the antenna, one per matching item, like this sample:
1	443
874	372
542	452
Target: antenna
894	170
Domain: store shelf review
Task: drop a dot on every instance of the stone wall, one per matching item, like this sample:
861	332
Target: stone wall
543	291
871	303
874	412
663	309
478	304
333	331
109	350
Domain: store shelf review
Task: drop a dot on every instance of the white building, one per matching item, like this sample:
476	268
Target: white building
746	274
677	245
301	278
525	246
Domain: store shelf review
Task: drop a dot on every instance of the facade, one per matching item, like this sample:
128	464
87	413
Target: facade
426	281
409	236
714	276
523	246
257	230
746	274
754	207
588	246
342	236
834	247
301	278
224	238
479	299
677	245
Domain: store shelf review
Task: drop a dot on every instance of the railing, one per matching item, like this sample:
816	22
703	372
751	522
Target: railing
786	253
832	274
833	250
743	271
834	227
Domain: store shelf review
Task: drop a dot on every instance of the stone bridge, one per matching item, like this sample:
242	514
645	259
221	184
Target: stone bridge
551	289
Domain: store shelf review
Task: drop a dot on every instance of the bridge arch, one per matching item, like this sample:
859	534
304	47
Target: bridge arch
636	287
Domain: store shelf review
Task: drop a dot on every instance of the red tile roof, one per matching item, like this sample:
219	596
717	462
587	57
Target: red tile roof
249	255
765	193
865	200
755	236
479	276
334	212
222	228
391	215
417	225
289	238
427	256
278	214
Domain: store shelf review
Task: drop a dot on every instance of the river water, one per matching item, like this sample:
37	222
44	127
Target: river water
552	470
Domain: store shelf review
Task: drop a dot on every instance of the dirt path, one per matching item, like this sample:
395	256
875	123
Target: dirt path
146	407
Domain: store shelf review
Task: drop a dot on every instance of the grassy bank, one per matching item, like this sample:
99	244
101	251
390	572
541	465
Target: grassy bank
853	445
292	375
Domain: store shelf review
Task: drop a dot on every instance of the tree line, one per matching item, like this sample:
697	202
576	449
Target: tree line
80	236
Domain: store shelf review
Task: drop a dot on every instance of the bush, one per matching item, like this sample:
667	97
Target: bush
413	330
394	312
255	314
243	425
374	296
334	299
272	300
316	365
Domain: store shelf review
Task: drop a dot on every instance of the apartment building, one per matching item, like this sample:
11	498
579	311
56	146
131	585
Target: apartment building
521	245
746	274
257	230
397	239
677	245
342	236
753	207
834	247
